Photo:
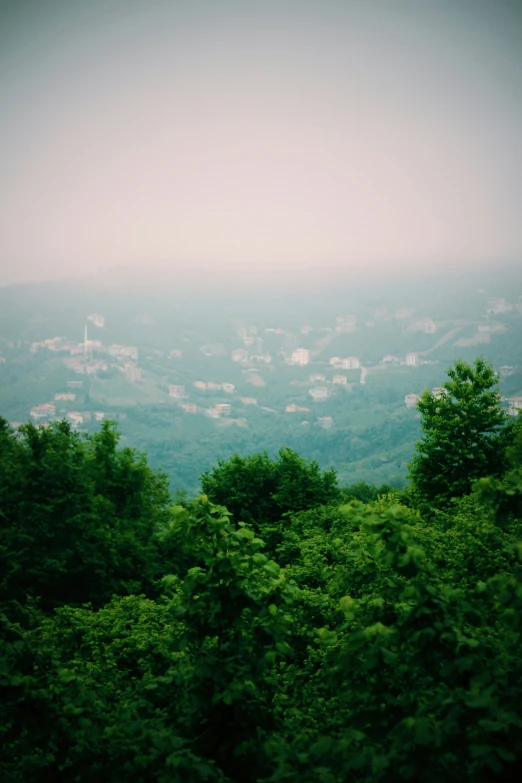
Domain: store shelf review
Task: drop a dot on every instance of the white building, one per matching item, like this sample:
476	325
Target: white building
75	418
200	385
498	305
224	408
228	387
176	392
52	344
99	415
248	400
44	411
69	396
339	379
438	392
412	359
316	378
123	351
411	400
240	355
350	363
319	393
301	356
189	407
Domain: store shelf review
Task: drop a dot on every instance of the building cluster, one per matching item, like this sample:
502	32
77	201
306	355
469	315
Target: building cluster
244	356
346	323
498	305
46	413
212	386
91	356
350	363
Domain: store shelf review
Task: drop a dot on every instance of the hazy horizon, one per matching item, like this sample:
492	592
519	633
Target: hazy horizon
258	140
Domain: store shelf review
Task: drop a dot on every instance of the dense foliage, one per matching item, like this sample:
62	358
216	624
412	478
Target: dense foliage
465	435
78	516
274	629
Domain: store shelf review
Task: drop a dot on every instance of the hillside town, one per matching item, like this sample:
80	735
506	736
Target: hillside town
320	372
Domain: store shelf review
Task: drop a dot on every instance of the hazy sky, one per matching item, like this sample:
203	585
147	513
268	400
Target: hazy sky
256	134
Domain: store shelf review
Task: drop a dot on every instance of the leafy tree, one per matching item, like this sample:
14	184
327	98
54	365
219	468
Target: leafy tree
365	492
259	490
178	689
504	494
99	696
367	642
465	435
420	682
78	516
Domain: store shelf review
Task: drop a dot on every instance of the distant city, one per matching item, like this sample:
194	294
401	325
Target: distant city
93	357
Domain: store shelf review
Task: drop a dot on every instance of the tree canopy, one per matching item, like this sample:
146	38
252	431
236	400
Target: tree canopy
78	516
272	630
465	435
257	489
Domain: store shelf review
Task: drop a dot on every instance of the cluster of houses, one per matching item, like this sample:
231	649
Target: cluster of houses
350	363
498	305
514	404
204	385
244	356
46	412
84	357
90	357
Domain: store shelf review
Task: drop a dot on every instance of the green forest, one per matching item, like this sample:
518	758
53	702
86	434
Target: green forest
278	627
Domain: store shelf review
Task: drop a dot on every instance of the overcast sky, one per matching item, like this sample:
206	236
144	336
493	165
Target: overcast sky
280	135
